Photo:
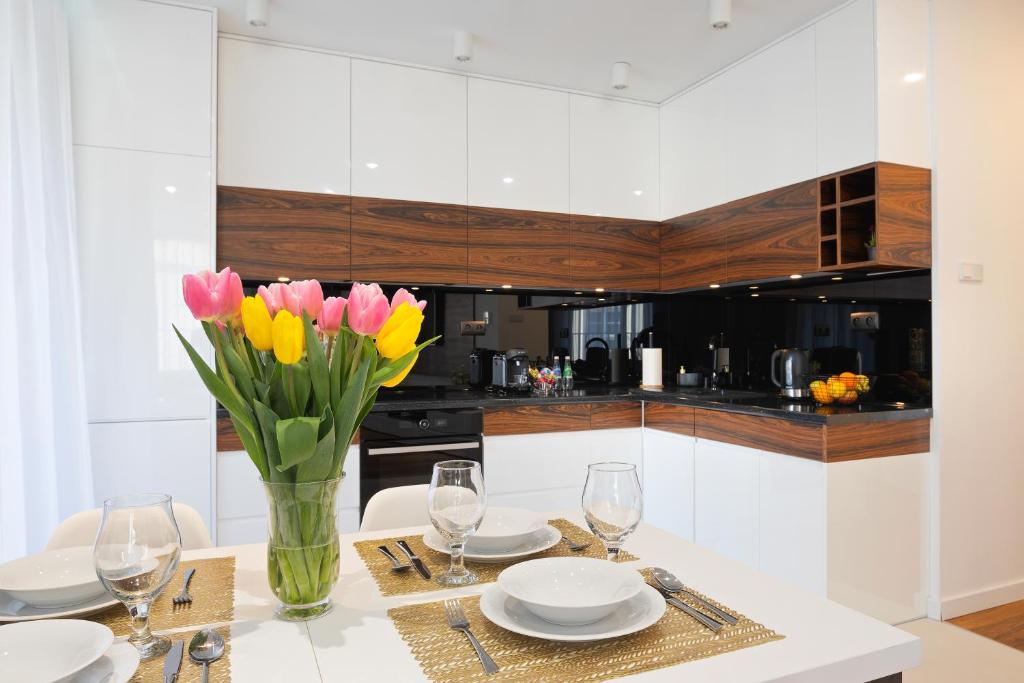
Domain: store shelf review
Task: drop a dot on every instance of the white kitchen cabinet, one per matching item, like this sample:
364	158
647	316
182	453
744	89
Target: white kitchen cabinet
613	158
792	521
845	87
408	133
144	220
142	75
902	56
283	118
668	481
725	516
518	146
170	456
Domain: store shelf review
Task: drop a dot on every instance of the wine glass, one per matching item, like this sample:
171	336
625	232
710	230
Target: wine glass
456	503
136	552
612	503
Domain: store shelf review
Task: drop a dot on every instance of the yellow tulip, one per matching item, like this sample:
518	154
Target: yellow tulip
394	381
289	337
257	323
398	335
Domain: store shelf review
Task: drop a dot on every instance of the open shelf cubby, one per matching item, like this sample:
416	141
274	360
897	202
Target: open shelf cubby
856	225
827	192
857	185
828	253
828	222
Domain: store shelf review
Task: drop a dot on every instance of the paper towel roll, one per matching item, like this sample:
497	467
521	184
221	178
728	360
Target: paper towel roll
651	363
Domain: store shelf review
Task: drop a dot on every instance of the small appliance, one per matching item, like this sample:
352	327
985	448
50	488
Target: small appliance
517	364
792	365
499	370
480	367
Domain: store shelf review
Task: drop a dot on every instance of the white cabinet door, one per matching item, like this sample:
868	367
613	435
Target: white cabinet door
518	146
171	456
845	92
770	120
408	133
668	481
725	500
613	158
793	520
141	75
144	219
283	118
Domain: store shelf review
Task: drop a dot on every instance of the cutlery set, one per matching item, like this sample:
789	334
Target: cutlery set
398	566
206	646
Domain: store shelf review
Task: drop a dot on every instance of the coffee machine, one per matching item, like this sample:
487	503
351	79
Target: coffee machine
792	365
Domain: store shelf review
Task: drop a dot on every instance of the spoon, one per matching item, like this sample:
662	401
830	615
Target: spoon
206	647
396	564
672	584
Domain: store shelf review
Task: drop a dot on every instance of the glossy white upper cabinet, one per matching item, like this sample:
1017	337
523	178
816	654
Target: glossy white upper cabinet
902	36
408	133
613	158
725	500
283	118
845	45
141	75
144	219
668	481
770	117
518	146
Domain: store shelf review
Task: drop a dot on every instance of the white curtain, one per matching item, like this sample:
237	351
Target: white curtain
45	471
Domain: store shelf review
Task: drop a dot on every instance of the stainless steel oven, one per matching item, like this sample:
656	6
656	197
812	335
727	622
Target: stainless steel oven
399	448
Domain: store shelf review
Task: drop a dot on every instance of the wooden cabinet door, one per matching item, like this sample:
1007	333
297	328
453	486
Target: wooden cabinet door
519	248
407	242
615	253
693	249
267	234
773	234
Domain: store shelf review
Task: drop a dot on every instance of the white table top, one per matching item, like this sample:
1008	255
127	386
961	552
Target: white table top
357	642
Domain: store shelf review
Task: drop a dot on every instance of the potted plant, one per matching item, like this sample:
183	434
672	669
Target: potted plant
872	246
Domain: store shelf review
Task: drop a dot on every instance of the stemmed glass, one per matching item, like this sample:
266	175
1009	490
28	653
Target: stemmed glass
456	503
136	552
612	503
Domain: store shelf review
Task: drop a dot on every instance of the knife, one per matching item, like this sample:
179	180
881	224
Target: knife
416	562
676	602
173	662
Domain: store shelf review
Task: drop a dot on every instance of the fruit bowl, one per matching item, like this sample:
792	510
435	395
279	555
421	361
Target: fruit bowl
844	388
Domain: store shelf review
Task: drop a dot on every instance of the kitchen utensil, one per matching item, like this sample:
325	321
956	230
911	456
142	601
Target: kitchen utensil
458	621
172	663
53	579
669	582
416	561
547	537
396	564
183	597
570	591
205	648
702	618
52	649
612	503
789	372
456	502
574	546
505	528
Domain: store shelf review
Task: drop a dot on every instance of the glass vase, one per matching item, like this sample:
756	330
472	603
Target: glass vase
303	547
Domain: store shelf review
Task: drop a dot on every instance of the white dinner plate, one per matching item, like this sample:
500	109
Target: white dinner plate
51	650
546	537
634	615
52	579
118	665
503	528
12	610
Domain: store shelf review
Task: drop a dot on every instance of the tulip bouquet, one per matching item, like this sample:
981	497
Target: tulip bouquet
298	373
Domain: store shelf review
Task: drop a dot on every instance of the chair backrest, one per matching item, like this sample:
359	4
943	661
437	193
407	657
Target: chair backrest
81	527
396	507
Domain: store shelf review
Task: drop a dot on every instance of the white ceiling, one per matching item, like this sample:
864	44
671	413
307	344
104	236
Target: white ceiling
564	43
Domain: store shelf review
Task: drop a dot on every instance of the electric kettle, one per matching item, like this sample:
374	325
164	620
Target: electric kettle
792	365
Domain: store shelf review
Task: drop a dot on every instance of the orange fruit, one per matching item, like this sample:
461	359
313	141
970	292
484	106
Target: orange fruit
849	379
849	397
820	392
836	387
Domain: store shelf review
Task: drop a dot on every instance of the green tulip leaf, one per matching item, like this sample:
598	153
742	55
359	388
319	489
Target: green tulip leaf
394	368
318	467
296	440
317	360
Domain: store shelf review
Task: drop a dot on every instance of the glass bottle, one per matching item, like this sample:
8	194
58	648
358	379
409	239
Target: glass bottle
567	374
557	369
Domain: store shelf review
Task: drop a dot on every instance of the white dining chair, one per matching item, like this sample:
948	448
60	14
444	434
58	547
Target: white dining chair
396	507
81	527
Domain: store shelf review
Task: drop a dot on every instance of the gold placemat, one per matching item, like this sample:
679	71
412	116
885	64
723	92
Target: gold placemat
190	672
445	655
213	600
403	583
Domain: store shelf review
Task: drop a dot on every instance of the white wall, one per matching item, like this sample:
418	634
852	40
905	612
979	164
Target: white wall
978	106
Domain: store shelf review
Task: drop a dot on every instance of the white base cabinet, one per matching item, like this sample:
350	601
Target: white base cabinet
725	508
668	481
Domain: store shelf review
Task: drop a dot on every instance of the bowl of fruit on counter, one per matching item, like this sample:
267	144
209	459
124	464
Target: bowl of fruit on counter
846	388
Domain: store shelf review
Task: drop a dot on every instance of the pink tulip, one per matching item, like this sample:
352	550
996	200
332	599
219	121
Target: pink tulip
213	296
280	296
368	309
311	296
402	296
329	321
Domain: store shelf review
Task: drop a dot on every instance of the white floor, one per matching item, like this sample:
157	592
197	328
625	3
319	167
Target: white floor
955	655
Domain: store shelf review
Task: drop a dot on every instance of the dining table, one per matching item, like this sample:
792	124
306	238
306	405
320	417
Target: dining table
357	641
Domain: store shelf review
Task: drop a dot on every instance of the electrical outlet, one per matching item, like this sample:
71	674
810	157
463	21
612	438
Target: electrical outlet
472	328
867	320
822	331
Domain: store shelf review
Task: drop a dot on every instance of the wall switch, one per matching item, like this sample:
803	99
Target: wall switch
971	272
472	328
867	320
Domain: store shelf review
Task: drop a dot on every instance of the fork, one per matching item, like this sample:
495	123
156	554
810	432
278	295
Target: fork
574	546
458	621
183	598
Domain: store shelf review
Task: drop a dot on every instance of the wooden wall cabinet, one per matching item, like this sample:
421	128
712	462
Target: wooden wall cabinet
772	234
693	249
615	253
518	248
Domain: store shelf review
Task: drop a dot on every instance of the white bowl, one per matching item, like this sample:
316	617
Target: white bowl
505	528
56	578
570	591
51	649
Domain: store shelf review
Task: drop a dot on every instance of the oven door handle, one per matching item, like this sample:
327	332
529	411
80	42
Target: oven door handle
425	448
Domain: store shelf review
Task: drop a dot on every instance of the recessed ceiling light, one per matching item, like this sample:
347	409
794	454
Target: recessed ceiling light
837	278
620	75
638	192
371	165
714	286
462	46
506	286
415	289
755	295
754	287
598	289
577	293
853	301
600	299
913	77
565	304
488	290
795	276
256	12
283	278
508	180
824	301
792	299
170	189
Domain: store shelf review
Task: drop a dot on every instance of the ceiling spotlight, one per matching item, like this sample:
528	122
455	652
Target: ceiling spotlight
415	289
256	12
837	278
755	295
462	46
795	276
620	75
754	287
600	299
283	278
506	286
913	77
714	286
821	296
577	293
488	290
599	289
720	13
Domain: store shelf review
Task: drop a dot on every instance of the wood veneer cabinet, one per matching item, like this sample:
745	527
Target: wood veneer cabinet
518	248
772	234
615	253
693	249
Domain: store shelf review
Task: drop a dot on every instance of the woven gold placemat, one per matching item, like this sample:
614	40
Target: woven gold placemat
213	600
190	672
395	583
445	655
